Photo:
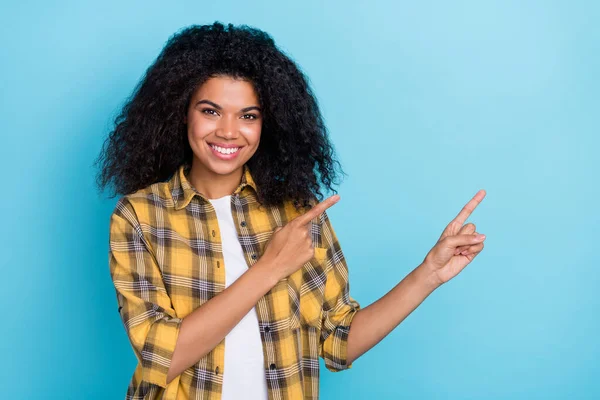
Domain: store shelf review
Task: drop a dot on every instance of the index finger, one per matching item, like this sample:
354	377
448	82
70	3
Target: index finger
317	210
469	207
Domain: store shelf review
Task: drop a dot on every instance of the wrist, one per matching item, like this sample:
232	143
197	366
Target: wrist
427	277
268	273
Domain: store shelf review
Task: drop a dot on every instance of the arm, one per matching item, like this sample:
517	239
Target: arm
374	322
164	344
444	261
204	328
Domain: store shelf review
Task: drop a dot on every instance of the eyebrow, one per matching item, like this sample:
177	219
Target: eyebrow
218	107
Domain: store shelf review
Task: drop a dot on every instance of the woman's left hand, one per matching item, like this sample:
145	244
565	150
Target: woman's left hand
457	246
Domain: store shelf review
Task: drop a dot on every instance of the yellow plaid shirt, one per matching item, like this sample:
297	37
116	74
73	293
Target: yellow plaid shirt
166	260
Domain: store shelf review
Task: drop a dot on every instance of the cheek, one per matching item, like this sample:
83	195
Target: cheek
252	134
198	129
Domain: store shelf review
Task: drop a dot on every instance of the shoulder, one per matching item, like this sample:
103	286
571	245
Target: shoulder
144	202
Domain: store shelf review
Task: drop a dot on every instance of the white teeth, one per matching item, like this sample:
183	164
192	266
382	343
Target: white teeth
224	151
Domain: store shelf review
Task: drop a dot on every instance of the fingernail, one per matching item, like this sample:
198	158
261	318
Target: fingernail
480	237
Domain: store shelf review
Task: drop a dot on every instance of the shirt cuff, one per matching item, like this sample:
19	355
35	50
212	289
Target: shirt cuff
335	346
158	350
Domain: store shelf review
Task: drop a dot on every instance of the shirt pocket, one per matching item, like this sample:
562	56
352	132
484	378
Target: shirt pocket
305	289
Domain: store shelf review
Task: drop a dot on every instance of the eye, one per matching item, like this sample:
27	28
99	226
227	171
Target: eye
250	116
209	111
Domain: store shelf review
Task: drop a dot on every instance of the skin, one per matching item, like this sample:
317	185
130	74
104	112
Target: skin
290	246
222	110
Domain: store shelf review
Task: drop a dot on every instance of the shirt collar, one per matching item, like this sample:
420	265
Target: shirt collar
182	190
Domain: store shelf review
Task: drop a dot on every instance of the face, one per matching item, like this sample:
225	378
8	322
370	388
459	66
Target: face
223	115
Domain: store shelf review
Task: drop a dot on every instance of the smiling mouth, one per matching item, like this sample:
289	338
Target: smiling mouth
225	150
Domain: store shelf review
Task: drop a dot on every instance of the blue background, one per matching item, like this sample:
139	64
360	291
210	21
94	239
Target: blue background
426	104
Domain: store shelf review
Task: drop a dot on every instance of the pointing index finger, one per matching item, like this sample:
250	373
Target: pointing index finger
469	207
317	210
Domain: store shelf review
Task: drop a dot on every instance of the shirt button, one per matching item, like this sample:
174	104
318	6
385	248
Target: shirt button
267	329
213	233
254	256
218	264
217	370
272	366
243	223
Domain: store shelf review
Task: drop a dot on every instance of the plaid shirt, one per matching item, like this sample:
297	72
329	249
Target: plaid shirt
166	260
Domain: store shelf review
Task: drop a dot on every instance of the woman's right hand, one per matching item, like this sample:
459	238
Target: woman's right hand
291	246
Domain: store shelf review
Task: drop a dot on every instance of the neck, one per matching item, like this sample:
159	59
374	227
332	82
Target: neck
211	184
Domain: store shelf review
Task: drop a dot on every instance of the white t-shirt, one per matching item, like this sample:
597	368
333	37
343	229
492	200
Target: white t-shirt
243	372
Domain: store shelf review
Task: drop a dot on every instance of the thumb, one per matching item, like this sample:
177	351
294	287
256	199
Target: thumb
462	240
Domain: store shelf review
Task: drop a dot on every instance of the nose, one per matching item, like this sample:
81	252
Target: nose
227	128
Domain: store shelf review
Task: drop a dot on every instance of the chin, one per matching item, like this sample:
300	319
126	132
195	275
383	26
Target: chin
220	168
225	170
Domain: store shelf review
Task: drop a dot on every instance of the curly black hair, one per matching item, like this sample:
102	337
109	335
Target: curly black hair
149	141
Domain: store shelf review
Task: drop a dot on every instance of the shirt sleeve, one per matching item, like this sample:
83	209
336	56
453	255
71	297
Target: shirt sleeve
144	305
339	308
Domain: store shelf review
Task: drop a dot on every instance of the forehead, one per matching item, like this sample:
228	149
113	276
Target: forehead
227	90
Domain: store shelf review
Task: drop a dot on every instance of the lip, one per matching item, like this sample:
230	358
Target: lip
224	156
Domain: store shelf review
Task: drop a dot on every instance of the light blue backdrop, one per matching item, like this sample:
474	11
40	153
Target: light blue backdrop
426	104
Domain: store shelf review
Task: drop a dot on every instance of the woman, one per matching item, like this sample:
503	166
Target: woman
230	279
